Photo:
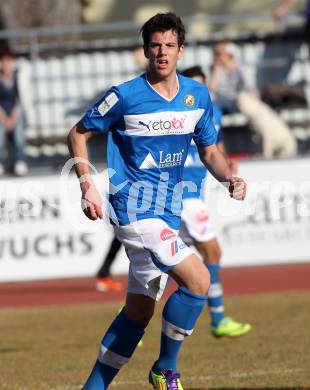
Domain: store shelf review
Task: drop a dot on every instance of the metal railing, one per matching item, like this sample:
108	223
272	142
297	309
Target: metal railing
62	70
34	41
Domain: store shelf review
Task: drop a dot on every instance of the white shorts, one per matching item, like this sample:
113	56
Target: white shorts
195	223
153	248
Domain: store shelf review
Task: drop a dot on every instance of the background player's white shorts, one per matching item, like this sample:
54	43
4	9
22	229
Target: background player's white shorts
195	223
153	248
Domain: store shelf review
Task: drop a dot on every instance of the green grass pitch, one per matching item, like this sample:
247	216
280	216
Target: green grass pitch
54	348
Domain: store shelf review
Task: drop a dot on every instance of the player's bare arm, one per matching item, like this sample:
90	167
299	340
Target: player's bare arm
233	165
77	143
218	166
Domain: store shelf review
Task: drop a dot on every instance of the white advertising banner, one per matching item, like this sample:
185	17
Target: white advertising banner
273	224
44	234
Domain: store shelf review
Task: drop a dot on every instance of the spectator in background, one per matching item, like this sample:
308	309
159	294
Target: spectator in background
279	76
11	116
282	9
226	78
104	280
232	93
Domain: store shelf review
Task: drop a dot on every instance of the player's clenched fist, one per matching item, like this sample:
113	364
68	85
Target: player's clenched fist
91	201
237	188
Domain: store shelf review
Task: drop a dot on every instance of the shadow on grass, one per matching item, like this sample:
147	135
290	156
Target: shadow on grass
13	350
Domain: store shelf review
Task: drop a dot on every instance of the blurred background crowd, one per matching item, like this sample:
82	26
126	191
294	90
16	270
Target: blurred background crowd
58	56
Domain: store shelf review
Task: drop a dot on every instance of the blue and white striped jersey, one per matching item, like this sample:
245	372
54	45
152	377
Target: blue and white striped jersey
194	170
148	140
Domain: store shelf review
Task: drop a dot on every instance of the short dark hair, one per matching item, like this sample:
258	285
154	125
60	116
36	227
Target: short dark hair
163	22
194	71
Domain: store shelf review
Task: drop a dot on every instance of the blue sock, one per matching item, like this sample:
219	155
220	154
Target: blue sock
116	348
179	317
215	301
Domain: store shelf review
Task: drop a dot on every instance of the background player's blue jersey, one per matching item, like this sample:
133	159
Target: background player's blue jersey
148	141
194	170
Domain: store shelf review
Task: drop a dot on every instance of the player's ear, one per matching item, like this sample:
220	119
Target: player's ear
181	51
145	50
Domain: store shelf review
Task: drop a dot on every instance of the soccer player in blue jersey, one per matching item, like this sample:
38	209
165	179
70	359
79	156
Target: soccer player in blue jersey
151	121
197	230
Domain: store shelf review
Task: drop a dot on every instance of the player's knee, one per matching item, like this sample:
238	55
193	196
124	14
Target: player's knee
143	318
201	285
204	284
138	314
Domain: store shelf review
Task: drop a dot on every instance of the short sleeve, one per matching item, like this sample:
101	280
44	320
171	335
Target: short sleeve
205	133
220	136
217	120
105	113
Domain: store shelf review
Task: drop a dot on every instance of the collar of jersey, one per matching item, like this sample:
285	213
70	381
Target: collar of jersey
163	97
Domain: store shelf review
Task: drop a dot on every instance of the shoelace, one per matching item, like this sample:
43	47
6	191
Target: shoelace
172	378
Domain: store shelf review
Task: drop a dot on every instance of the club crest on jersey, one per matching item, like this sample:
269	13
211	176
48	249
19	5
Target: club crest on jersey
189	100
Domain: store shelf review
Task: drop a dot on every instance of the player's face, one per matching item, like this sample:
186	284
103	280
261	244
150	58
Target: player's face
7	64
163	53
221	56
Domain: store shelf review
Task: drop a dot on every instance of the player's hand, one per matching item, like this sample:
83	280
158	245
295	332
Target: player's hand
91	201
237	188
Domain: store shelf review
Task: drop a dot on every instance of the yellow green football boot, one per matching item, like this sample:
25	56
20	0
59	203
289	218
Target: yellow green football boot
166	380
227	327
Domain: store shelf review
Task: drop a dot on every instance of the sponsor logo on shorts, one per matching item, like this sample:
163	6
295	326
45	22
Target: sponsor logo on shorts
175	246
203	231
166	233
202	217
